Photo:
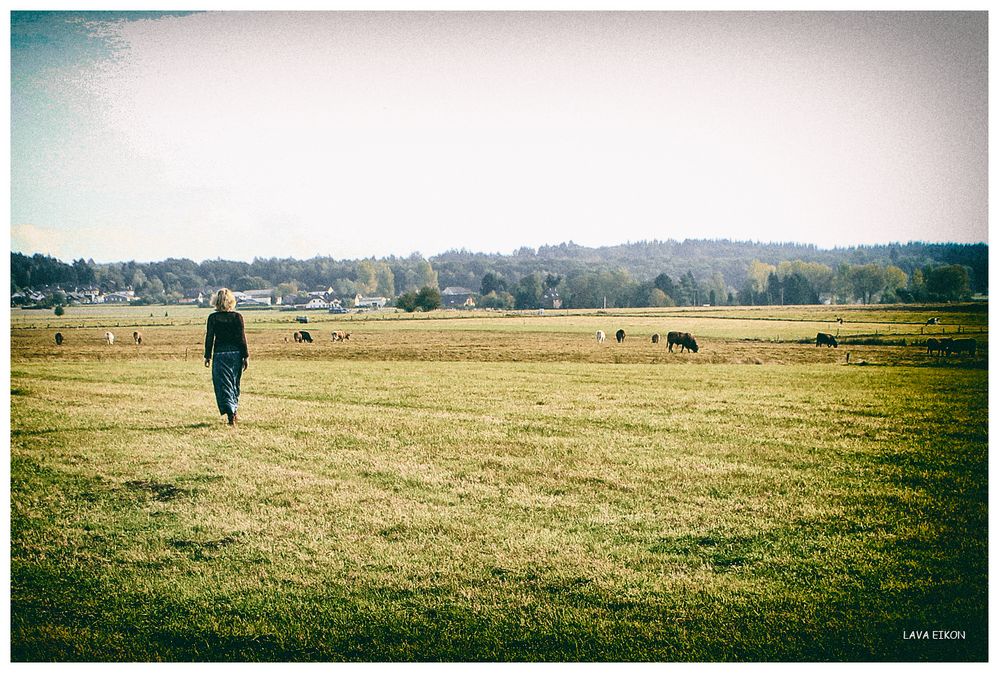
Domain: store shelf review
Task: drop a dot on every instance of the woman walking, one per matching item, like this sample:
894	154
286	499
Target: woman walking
225	349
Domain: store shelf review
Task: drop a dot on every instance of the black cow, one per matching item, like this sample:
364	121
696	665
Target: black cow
619	335
823	339
937	346
961	346
304	336
58	338
933	321
683	339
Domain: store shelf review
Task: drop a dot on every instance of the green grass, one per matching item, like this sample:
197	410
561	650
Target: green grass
398	508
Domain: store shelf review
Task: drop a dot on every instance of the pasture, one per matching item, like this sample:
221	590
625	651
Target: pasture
490	486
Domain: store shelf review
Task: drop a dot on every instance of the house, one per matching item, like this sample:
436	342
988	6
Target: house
455	297
314	303
369	302
260	296
244	300
87	295
550	299
119	297
196	298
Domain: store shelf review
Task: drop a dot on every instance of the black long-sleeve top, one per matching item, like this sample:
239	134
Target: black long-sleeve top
226	333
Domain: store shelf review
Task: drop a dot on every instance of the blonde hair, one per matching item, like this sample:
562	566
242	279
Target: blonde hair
225	300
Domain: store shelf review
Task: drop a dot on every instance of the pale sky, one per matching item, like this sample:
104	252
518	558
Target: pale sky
262	134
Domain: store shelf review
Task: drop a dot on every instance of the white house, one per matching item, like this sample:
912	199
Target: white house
369	302
314	303
261	296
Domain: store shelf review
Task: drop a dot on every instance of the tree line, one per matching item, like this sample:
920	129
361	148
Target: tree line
648	273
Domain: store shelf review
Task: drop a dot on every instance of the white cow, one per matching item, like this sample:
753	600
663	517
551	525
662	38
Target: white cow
600	337
109	337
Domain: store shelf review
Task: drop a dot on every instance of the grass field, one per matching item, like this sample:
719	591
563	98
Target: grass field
501	487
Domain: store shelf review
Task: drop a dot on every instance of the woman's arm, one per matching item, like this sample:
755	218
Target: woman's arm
209	338
242	339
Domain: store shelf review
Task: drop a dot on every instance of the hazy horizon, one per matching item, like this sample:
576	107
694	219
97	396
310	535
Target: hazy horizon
535	248
239	135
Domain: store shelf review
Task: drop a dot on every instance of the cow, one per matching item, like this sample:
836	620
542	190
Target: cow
655	338
968	346
305	336
827	340
619	335
600	337
298	337
58	338
109	338
933	321
683	339
936	345
839	320
137	338
340	335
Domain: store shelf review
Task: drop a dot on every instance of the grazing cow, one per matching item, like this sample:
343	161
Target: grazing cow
58	338
828	340
137	338
937	346
655	338
600	337
305	336
968	346
933	321
619	335
839	320
340	335
109	337
683	339
298	337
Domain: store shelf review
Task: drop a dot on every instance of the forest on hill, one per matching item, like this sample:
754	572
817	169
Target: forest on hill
646	273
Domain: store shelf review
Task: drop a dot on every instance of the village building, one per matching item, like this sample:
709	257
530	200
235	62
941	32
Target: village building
369	302
261	296
122	297
457	297
550	299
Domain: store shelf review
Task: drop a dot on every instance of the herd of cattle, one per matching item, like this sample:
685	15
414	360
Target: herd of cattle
951	346
108	338
301	336
944	346
681	339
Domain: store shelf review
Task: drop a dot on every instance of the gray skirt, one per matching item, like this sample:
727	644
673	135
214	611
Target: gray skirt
227	368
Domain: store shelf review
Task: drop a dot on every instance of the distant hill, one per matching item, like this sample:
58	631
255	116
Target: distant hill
689	271
646	259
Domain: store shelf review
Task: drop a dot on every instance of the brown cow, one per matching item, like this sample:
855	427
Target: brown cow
655	338
683	339
298	337
137	338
